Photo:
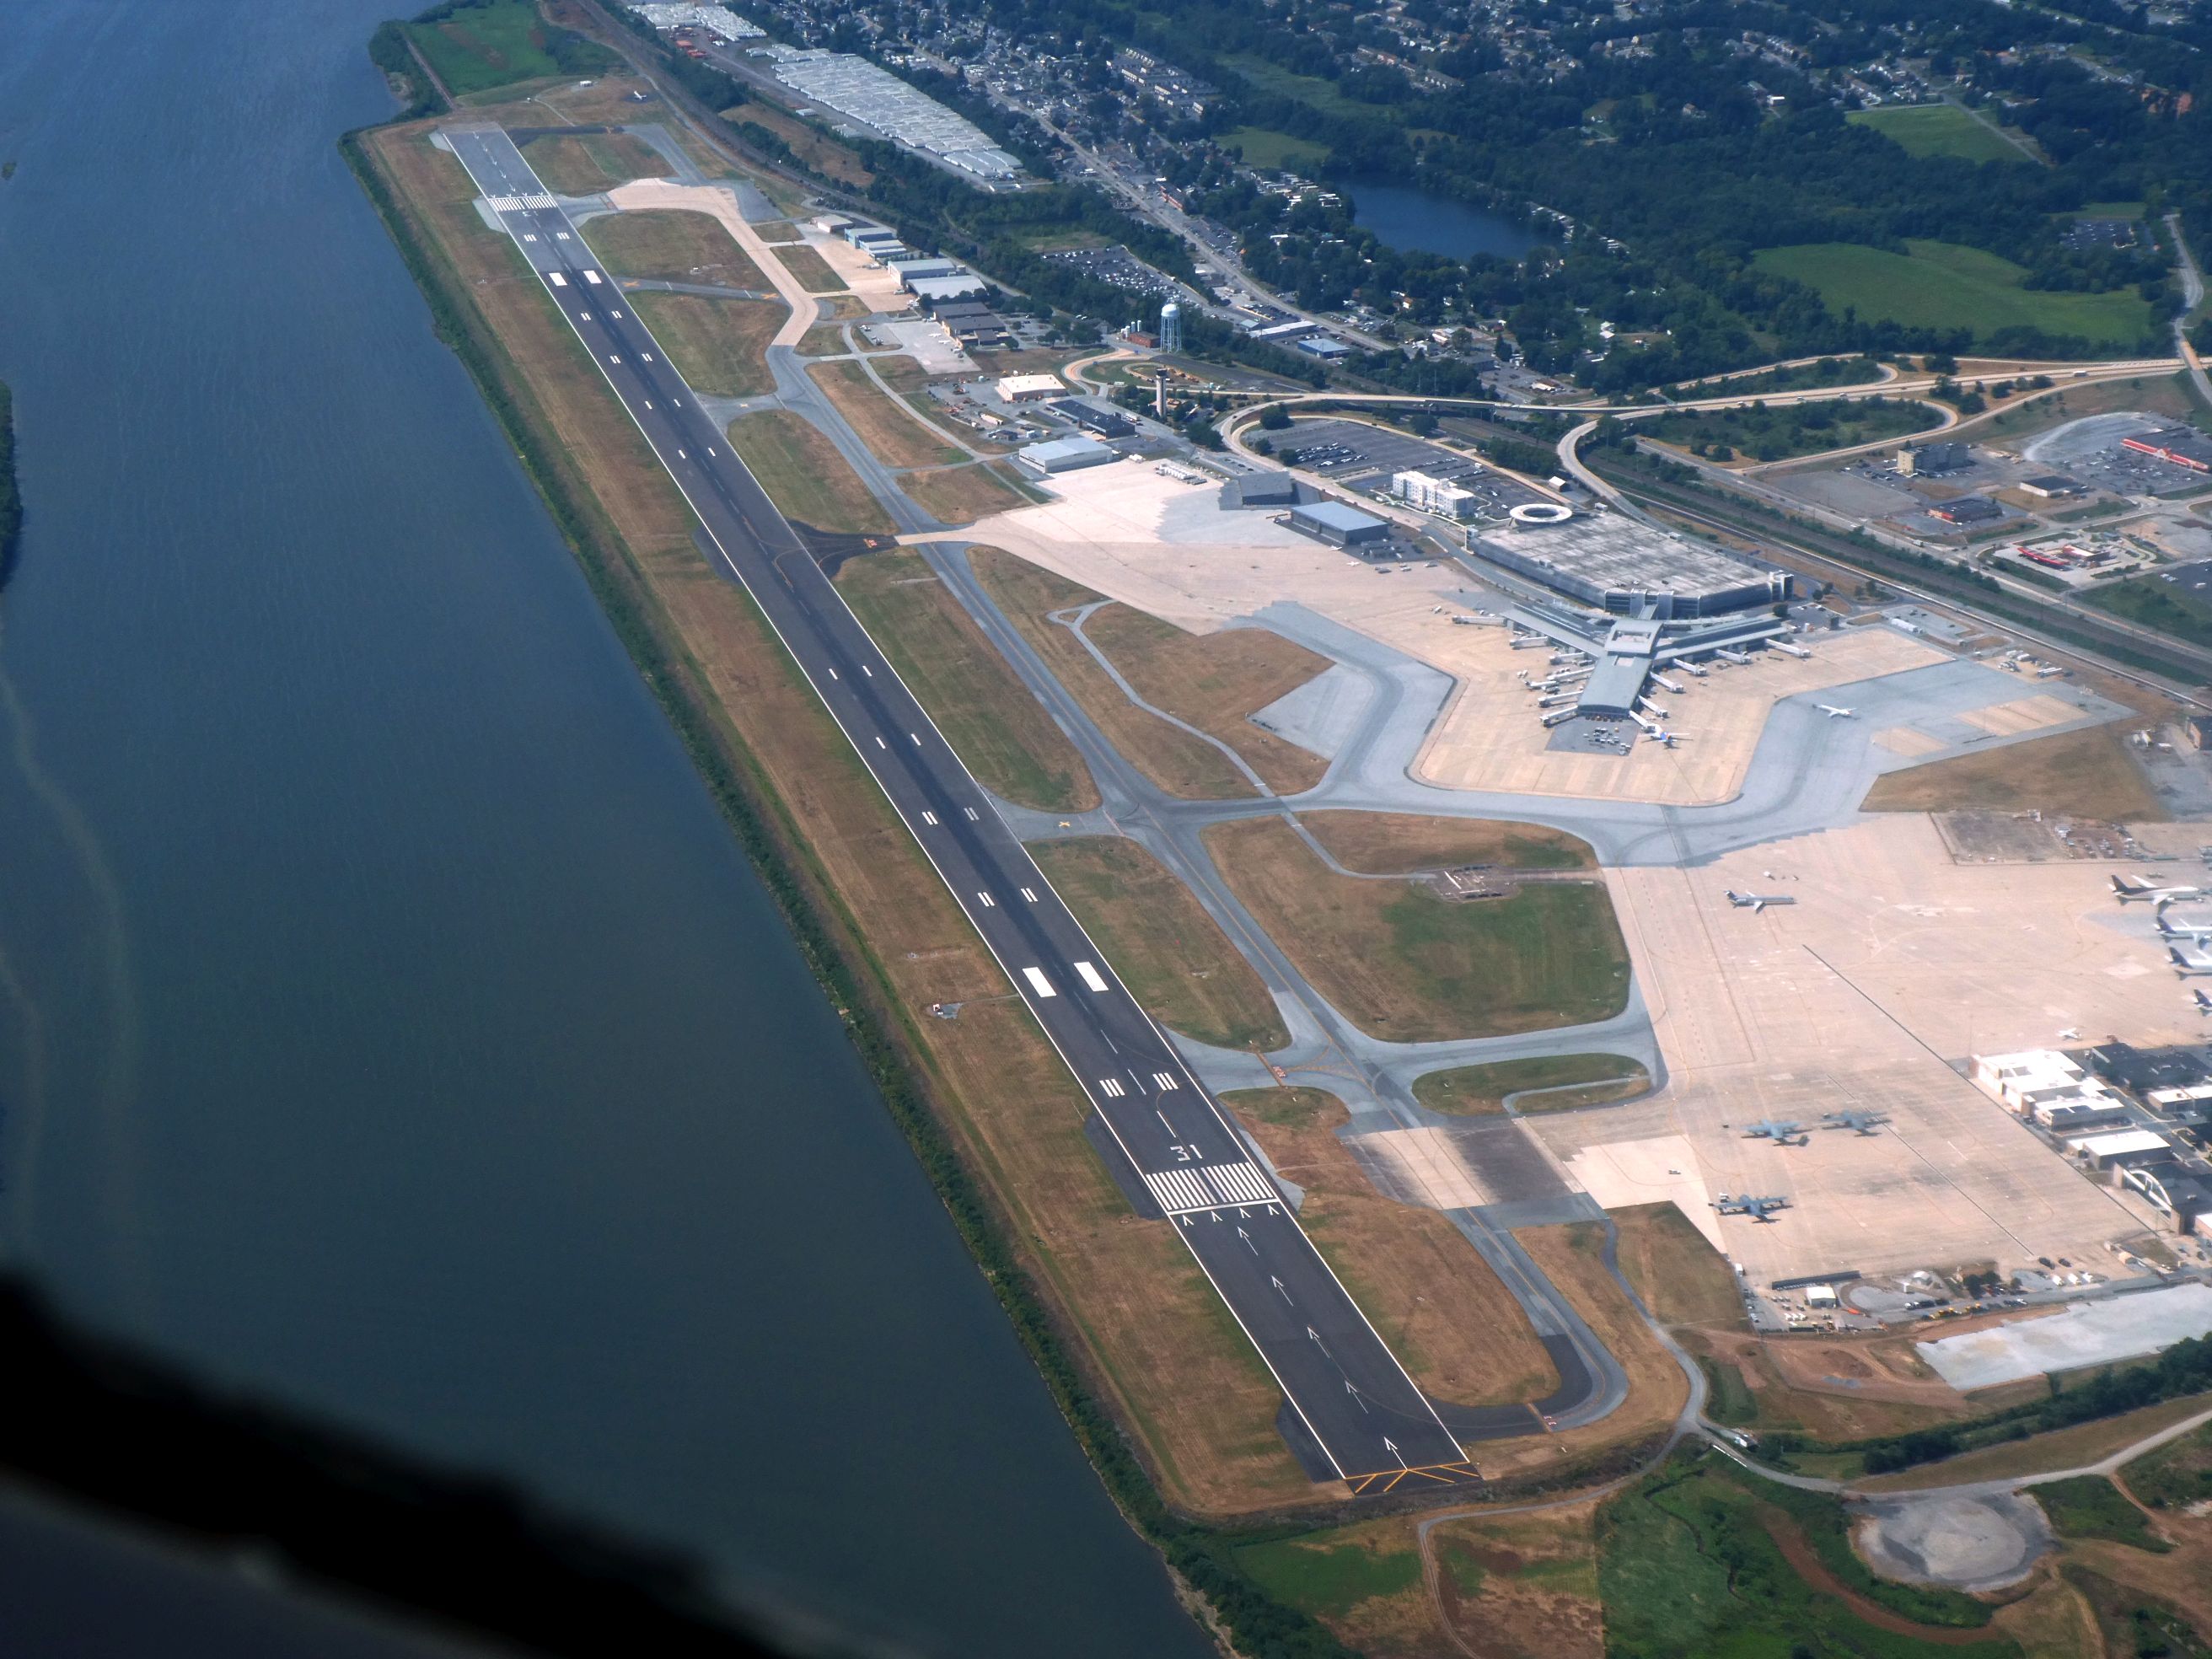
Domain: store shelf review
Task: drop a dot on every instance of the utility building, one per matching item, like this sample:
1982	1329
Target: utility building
1027	388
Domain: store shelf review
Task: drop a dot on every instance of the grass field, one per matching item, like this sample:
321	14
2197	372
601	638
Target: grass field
811	269
2078	1447
1401	963
1682	1279
669	246
1939	130
1173	759
481	47
2177	1474
806	477
961	494
1405	843
824	340
1274	152
1440	1306
1483	1088
2166	607
1175	960
1780	432
818	150
892	435
717	345
1330	1579
1001	731
1943	285
586	163
1215	681
2086	774
2090	1506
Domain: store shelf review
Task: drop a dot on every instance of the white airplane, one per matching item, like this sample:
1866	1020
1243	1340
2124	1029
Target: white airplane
2188	961
1836	713
2203	1002
1755	903
2196	929
2130	888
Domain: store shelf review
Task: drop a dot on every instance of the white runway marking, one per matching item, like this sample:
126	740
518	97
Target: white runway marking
930	818
1039	982
989	903
1084	970
973	817
1111	1086
1166	1081
557	279
1240	1183
539	201
592	276
1181	1190
1030	894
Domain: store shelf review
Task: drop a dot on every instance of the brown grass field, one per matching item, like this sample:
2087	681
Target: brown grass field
811	269
717	345
1400	962
803	474
961	495
1403	843
775	231
2086	774
1001	733
1169	952
1156	1342
1483	1089
590	162
666	246
1215	681
892	435
2063	1448
824	154
1522	1586
824	340
1435	1301
1683	1279
1173	759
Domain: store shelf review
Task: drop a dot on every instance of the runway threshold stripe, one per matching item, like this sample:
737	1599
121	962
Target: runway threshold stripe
1179	1191
1240	1183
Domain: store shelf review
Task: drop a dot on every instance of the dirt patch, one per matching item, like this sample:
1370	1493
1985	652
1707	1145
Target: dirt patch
1401	963
1173	759
668	244
1168	950
2088	773
1458	1330
1405	843
1216	681
1001	733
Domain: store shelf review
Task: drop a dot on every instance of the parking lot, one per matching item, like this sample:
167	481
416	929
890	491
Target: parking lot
1363	458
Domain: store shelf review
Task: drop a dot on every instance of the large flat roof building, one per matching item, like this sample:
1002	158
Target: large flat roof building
1063	455
1629	567
1025	388
1338	524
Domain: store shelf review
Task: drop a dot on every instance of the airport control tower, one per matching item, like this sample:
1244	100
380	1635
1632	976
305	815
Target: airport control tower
1172	327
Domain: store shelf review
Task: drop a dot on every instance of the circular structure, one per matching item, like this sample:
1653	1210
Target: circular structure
1535	515
1968	1543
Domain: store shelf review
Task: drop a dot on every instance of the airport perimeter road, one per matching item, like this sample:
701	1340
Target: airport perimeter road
1351	1399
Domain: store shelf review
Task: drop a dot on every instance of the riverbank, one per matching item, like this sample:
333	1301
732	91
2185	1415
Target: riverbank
11	500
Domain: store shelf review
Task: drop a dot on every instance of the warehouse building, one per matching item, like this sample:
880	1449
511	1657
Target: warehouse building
1063	455
1967	509
1100	422
1627	567
1261	489
942	290
923	265
1338	524
2121	1148
1027	388
2180	1189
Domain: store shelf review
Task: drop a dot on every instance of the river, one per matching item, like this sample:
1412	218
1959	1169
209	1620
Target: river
1410	219
387	1020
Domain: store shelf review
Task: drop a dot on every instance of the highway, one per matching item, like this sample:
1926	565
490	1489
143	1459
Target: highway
1353	1413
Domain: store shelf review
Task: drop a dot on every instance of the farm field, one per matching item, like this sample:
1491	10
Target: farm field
1943	285
1939	130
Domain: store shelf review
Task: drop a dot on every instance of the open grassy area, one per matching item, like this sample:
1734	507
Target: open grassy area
961	494
2077	1447
1001	731
2177	1474
805	476
1484	1088
892	435
2090	1506
1159	1349
584	164
1683	1279
1405	843
1173	759
1216	681
482	47
1944	285
718	346
670	245
1274	152
1779	431
811	269
1168	950
1438	1304
814	149
1330	1574
2163	606
1402	963
1939	129
2086	774
824	340
2152	394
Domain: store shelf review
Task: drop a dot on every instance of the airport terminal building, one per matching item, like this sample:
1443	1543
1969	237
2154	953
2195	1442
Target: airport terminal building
1627	567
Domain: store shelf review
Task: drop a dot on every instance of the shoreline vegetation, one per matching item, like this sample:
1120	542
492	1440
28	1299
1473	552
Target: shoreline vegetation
11	501
912	1080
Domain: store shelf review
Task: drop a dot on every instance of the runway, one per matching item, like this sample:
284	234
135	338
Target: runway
1354	1413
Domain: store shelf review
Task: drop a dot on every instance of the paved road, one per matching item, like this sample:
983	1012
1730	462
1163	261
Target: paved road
1352	1404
